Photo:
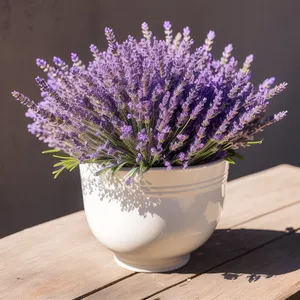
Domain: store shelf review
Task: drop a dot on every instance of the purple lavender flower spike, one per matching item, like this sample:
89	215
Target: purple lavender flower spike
228	48
226	54
142	136
186	31
74	57
211	35
167	25
139	157
209	40
280	116
168	32
126	131
94	49
57	61
198	108
146	32
268	82
111	39
276	90
168	165
145	26
150	103
248	61
41	63
41	81
110	36
182	156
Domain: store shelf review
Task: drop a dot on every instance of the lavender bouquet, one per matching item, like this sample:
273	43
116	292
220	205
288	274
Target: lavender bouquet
149	103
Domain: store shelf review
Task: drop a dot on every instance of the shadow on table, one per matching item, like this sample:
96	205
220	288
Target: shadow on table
276	252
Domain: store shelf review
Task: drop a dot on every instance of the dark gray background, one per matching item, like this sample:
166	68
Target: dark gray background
36	28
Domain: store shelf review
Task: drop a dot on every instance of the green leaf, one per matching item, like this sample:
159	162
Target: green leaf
102	170
57	172
50	151
70	164
145	168
66	163
227	146
64	157
230	160
230	153
131	172
61	163
233	153
119	167
255	142
74	167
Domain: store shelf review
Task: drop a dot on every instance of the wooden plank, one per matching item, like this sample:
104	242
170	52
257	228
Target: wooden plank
269	273
224	245
56	260
259	193
62	260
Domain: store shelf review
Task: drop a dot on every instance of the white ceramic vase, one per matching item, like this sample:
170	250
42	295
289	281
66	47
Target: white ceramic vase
155	223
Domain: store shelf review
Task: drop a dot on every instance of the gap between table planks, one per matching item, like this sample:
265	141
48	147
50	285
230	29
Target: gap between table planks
61	260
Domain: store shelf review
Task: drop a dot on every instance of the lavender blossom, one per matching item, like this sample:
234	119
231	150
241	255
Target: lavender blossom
149	103
248	61
226	54
126	131
168	32
146	32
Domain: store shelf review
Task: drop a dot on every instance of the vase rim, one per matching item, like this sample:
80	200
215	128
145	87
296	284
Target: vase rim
176	168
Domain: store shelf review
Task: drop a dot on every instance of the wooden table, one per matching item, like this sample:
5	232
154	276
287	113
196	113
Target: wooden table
254	253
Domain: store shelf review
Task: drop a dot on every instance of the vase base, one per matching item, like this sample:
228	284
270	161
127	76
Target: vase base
164	265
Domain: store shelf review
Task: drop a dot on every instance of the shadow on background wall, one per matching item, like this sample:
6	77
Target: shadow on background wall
34	28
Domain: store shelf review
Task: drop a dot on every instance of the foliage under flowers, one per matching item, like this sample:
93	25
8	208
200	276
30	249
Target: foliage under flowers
149	103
